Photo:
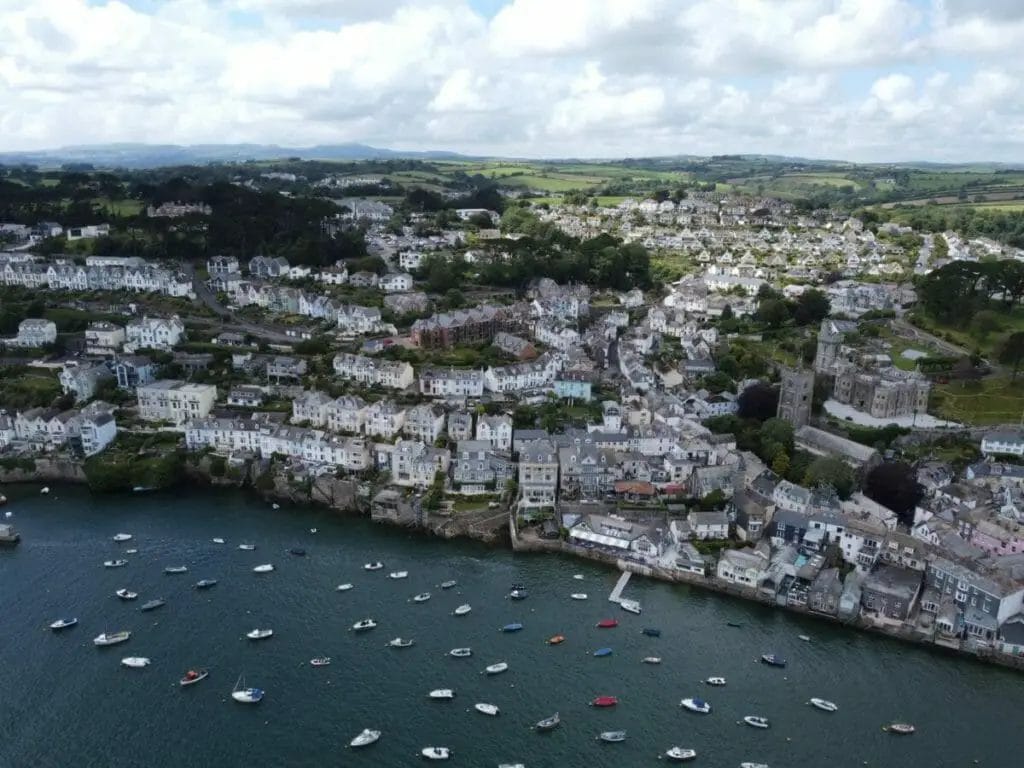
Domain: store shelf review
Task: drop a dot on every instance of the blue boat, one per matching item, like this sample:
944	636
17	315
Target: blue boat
512	627
772	660
651	632
603	652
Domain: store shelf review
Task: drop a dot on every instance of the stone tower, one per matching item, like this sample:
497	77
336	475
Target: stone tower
795	396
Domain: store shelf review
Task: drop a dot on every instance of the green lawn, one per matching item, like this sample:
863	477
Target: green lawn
996	400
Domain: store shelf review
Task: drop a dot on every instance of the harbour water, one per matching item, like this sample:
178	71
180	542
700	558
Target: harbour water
63	701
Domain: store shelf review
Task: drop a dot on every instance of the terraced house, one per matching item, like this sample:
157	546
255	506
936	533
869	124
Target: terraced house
464	326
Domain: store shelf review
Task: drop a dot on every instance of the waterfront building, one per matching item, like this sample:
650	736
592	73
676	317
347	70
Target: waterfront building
175	401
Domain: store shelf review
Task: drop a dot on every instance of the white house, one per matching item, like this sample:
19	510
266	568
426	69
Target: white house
154	333
311	407
34	333
103	338
96	432
740	566
396	283
347	414
520	377
175	401
1003	442
384	419
451	382
496	430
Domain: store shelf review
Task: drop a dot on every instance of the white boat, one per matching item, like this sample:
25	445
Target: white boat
136	662
679	755
436	753
460	653
631	606
756	721
753	765
218	540
578	595
192	677
805	638
716	681
312	530
486	709
511	765
463	609
364	624
612	737
398	574
365	738
343	587
111	638
131	551
696	705
422	597
126	594
60	624
320	661
172	569
265	568
244	695
122	537
259	634
448	584
824	705
442	694
902	729
247	547
44	490
496	669
114	563
399	642
651	660
578	576
373	566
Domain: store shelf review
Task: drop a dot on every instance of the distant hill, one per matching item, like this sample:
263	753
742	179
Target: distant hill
156	155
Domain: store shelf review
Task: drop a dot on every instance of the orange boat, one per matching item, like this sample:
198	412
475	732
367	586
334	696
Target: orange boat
556	640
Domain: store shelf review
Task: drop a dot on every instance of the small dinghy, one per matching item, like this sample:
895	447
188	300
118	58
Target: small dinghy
496	669
513	627
206	583
115	563
126	594
364	624
265	568
651	660
122	537
612	737
217	540
247	547
486	709
805	638
442	694
824	705
192	677
365	738
131	551
313	531
548	723
422	597
679	754
343	587
517	594
556	640
298	551
373	566
460	653
604	701
603	652
716	681
320	661
901	729
607	623
398	574
399	642
174	569
773	660
152	605
753	765
135	662
651	632
756	721
60	624
448	584
462	610
436	753
696	705
578	595
259	634
578	576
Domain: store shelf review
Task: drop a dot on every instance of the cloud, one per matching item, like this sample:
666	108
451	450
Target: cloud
856	79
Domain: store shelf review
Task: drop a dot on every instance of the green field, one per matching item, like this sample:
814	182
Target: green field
996	400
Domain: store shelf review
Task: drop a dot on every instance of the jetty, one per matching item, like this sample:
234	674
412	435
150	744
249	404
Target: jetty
620	585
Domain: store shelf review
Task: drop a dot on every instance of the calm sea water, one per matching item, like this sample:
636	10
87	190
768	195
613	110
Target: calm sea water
65	702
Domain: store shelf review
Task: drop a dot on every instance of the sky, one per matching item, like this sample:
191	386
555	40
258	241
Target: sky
860	80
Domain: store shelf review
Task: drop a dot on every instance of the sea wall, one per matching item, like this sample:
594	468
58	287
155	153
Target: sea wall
41	470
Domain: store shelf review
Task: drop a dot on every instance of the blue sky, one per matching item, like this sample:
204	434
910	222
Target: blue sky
857	79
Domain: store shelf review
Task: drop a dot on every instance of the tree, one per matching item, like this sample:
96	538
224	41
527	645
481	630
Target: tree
775	435
893	484
812	306
1011	351
780	464
985	323
714	500
773	312
829	470
758	401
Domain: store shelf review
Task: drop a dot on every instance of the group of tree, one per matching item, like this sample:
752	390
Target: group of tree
775	311
959	290
894	484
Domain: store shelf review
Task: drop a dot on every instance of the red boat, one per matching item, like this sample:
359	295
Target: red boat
604	701
608	623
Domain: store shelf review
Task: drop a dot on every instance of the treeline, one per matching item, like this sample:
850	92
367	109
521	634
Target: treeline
1004	226
960	289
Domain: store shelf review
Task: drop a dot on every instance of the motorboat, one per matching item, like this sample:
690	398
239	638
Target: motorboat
320	661
135	662
131	551
604	701
496	669
463	609
460	653
901	729
651	632
442	694
556	640
513	627
122	537
772	660
486	709
631	606
217	540
511	765
111	638
343	587
607	623
436	753
364	624
247	547
517	594
126	594
716	681
152	605
298	551
398	574
603	652
206	583
756	721
680	755
193	676
578	576
60	624
244	695
259	634
265	568
651	660
115	563
422	597
548	723
373	566
805	638
449	584
696	705
824	705
578	595
172	569
365	738
612	737
399	642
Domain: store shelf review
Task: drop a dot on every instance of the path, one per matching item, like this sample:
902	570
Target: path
616	595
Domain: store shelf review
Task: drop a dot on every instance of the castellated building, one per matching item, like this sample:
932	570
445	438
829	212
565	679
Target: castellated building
795	395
